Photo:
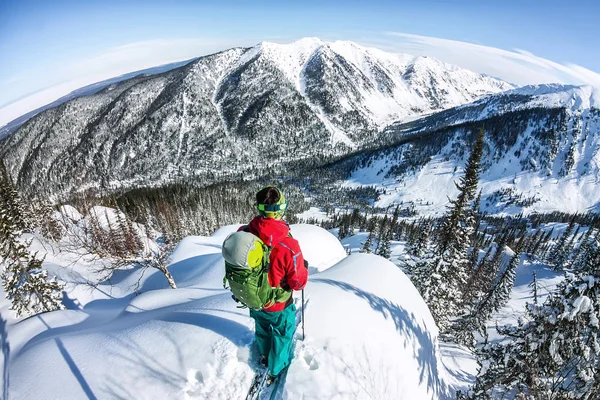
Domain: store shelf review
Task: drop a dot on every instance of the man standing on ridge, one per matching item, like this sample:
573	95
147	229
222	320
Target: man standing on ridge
275	324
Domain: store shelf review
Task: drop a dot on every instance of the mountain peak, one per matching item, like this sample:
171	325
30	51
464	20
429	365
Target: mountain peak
324	98
304	45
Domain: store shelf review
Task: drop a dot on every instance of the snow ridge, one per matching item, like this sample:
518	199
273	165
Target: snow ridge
218	112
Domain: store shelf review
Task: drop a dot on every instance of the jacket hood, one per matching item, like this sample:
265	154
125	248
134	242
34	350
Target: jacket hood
269	230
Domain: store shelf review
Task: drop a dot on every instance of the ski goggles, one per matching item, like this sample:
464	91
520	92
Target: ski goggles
272	207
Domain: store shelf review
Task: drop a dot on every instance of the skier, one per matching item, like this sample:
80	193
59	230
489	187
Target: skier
275	324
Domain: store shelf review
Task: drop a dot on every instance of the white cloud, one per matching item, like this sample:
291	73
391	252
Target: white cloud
518	66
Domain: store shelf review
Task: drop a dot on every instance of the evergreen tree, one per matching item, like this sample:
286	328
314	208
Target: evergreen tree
452	231
384	249
560	252
536	242
25	283
354	221
479	282
553	355
50	228
475	319
342	231
367	246
449	268
394	224
418	246
419	270
477	218
534	288
506	281
581	251
590	256
383	230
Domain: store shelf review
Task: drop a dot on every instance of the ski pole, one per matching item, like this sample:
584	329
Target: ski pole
303	335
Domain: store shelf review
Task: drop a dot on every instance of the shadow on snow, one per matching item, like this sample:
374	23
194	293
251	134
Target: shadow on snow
406	325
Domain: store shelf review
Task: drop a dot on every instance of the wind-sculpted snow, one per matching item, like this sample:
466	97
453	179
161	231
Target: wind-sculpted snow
368	335
212	118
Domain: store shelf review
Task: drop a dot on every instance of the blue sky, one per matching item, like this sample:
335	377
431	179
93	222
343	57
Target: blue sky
45	44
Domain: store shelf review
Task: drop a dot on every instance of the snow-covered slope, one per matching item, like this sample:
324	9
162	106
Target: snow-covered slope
368	335
213	118
542	153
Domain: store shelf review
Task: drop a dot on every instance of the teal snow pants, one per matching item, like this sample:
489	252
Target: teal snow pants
274	335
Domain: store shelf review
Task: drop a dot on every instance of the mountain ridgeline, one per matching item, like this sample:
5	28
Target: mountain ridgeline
242	112
289	110
552	129
542	144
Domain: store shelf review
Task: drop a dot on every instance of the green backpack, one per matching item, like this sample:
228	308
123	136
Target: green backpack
246	271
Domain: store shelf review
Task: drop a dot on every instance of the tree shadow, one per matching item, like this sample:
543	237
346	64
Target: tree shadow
146	365
72	365
231	330
184	271
118	319
455	353
235	332
6	355
150	368
405	325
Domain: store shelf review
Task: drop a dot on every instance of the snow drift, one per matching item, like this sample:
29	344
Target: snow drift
368	334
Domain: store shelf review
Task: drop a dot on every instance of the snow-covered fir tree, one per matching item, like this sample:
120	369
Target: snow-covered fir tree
534	288
555	354
384	247
419	244
561	251
448	271
25	283
368	244
384	227
477	313
482	279
586	252
535	243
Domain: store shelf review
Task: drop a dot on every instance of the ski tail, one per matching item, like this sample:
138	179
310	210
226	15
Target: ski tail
257	385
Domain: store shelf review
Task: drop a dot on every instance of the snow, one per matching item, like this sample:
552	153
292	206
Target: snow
429	188
581	304
547	280
313	212
368	333
290	58
381	103
319	248
545	182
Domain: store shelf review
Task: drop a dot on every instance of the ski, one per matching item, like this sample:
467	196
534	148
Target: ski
257	384
278	385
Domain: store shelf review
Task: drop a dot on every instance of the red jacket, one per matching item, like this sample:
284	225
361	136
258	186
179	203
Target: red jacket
287	263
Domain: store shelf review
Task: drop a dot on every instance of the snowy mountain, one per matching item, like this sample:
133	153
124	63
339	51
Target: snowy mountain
213	118
368	333
85	91
542	153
